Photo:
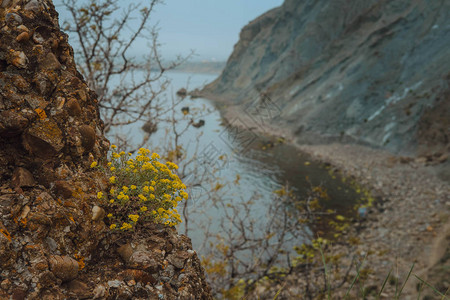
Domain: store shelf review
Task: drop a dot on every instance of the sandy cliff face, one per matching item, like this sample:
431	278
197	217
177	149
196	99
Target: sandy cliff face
51	245
373	72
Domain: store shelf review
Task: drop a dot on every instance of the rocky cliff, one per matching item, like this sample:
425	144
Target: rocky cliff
51	244
372	72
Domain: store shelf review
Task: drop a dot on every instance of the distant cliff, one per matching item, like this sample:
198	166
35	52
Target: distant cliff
373	72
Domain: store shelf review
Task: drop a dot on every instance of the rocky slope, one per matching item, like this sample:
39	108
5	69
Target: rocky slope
372	72
51	245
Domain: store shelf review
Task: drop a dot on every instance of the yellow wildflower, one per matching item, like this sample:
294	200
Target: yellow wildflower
109	215
99	195
142	197
113	146
125	189
133	187
112	226
144	208
125	226
145	189
171	165
94	164
112	179
133	218
112	169
111	201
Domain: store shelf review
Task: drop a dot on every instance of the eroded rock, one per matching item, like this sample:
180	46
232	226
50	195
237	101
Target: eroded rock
44	138
54	243
22	178
64	267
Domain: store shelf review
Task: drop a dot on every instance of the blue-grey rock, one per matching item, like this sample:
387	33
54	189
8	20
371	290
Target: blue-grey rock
372	72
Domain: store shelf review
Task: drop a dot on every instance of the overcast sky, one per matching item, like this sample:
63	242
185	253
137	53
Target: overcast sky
210	27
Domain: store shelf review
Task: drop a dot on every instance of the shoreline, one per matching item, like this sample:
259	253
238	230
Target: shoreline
410	225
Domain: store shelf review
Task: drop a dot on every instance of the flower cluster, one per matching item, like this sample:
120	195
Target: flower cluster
142	189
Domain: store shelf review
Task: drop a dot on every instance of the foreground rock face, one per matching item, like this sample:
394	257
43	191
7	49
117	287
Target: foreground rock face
374	72
51	247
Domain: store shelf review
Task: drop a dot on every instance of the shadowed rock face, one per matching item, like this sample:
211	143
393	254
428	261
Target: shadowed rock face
51	246
363	71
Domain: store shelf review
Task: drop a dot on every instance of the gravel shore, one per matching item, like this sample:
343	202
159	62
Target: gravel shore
410	225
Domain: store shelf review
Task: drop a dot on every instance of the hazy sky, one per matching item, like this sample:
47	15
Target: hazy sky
210	27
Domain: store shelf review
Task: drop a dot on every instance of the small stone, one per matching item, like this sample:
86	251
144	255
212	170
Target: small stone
79	288
64	267
60	102
11	123
87	137
178	259
131	282
51	243
125	251
99	291
114	283
22	28
143	260
22	178
49	61
18	59
24	36
73	107
5	3
26	209
98	213
33	5
43	139
63	188
13	19
19	294
6	284
43	83
20	83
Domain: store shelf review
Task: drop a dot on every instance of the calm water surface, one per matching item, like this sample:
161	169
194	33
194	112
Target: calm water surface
234	159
